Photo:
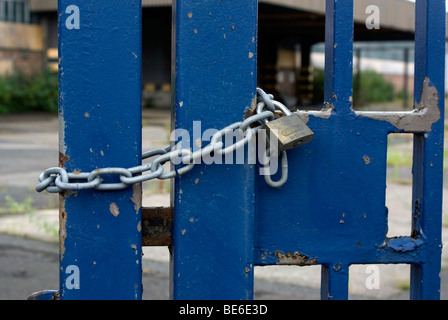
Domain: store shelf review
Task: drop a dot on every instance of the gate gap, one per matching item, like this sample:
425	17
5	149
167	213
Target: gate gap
399	184
287	282
383	68
291	65
156	259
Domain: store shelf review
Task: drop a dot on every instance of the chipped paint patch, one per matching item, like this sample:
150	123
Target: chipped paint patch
325	113
404	244
419	120
113	208
137	196
295	258
366	159
62	226
61	127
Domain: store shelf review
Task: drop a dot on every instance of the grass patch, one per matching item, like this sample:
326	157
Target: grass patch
399	158
14	207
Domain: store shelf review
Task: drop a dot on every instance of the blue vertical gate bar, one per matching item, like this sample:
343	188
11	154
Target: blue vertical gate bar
338	93
100	126
214	65
427	169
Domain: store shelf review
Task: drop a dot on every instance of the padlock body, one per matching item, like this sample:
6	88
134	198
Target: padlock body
290	132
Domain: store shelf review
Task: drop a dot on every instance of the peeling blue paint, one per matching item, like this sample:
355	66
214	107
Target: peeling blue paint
404	244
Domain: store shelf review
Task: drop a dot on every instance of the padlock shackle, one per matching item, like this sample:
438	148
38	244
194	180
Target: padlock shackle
280	106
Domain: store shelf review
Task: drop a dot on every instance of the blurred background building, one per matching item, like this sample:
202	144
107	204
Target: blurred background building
22	40
291	50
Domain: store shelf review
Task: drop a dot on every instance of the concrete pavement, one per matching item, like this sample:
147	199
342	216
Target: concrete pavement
28	228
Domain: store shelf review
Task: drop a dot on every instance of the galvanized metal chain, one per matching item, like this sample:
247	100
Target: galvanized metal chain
57	180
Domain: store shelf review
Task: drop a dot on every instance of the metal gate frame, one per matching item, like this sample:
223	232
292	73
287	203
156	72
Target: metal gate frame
226	220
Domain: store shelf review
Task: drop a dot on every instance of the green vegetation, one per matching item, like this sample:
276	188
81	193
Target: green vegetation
14	207
21	93
399	158
368	87
371	87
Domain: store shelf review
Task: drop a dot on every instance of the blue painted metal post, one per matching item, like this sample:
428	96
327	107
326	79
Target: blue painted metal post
339	93
100	126
428	147
215	81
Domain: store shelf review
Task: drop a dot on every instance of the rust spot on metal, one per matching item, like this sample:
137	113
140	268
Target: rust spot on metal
249	112
69	193
63	159
366	159
157	222
295	258
62	226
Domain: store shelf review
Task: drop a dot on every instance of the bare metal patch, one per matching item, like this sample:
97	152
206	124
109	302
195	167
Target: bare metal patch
61	127
324	113
113	208
137	196
419	120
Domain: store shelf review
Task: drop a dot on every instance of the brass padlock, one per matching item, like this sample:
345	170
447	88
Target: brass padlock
290	130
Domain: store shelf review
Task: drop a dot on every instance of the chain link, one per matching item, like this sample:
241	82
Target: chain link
57	180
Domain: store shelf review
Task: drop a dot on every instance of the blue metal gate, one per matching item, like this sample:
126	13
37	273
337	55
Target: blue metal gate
240	222
331	212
